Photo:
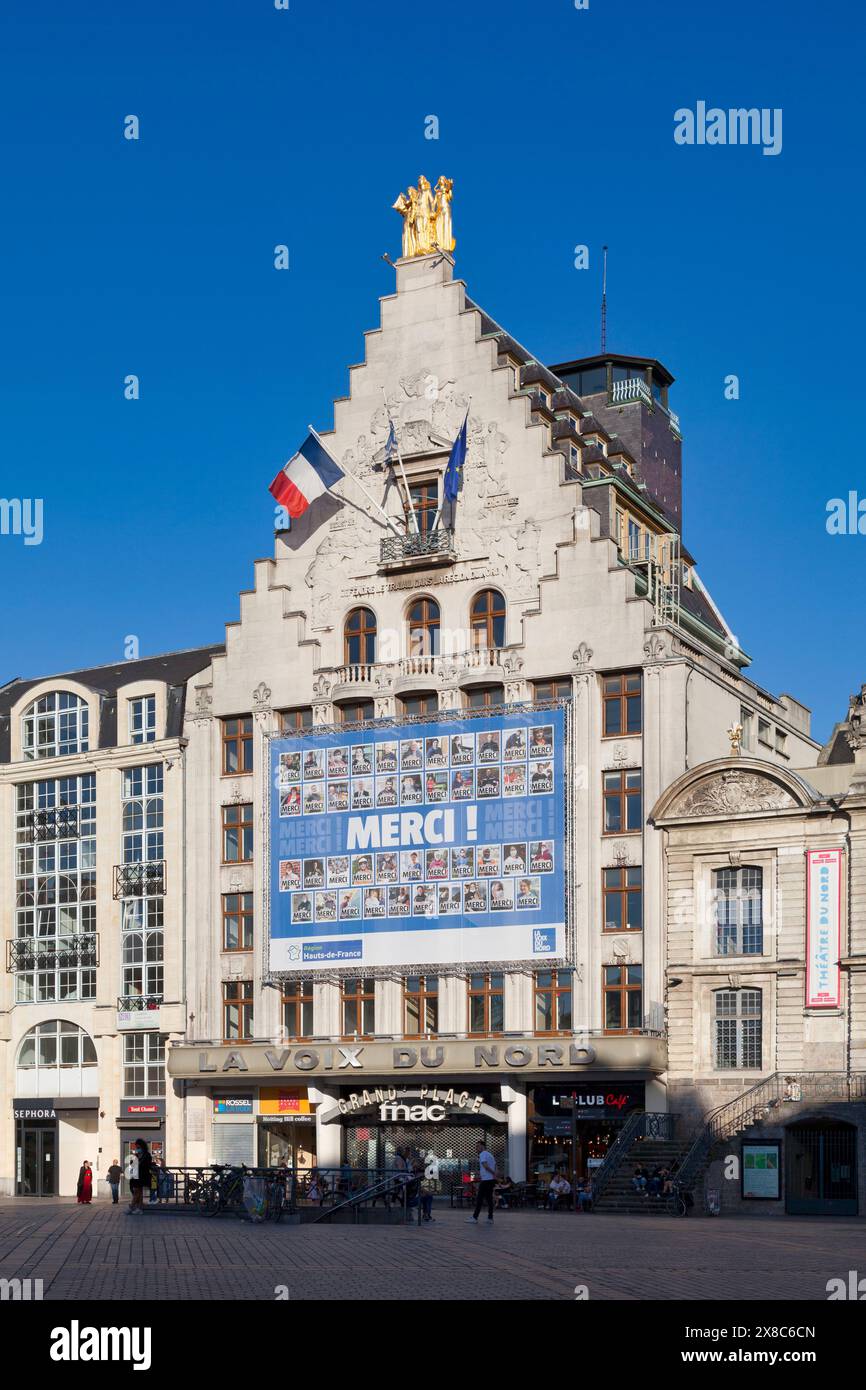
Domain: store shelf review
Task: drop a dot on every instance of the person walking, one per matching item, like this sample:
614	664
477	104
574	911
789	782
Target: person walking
139	1169
113	1177
486	1182
84	1190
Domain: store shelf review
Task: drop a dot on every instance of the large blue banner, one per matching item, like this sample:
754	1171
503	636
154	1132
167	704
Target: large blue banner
419	844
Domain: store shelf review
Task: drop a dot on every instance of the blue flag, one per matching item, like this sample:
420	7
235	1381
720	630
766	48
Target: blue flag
453	480
391	443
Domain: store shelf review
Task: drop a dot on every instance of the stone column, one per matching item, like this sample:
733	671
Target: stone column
328	1137
516	1145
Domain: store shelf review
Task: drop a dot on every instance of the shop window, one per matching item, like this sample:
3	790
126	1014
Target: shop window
622	802
359	1008
487	620
359	638
420	702
484	696
559	689
621	700
237	1010
739	912
237	833
737	1023
623	993
420	1006
237	745
423	627
487	1004
293	721
622	899
237	921
297	1003
144	1064
355	711
553	1001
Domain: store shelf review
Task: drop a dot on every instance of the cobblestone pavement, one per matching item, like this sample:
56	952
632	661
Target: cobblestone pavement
100	1252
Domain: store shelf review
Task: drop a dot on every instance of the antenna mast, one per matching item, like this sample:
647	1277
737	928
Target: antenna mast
604	301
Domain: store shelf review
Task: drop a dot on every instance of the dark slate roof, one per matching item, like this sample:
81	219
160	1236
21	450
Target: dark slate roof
174	668
694	602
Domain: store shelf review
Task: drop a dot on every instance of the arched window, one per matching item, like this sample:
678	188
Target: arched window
423	618
487	619
55	725
56	1043
360	637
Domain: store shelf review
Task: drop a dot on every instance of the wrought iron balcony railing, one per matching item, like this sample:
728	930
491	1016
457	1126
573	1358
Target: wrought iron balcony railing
138	1003
67	953
140	880
436	545
53	823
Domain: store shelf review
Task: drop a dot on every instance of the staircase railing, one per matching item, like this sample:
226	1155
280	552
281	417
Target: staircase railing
641	1124
395	1185
755	1104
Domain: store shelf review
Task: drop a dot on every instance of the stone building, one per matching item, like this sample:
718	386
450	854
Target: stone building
766	972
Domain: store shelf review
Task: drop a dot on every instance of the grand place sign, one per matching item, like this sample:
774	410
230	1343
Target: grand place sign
521	1056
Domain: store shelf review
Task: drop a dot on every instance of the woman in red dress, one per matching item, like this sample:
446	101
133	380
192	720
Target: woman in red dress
85	1183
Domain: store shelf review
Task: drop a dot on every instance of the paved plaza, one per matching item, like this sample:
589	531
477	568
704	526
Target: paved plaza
100	1252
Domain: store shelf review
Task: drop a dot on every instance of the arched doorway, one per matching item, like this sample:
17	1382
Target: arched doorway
821	1168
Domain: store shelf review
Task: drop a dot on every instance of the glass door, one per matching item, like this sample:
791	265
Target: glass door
37	1161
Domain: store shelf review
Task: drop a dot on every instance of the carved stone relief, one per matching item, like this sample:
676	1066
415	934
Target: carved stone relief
732	792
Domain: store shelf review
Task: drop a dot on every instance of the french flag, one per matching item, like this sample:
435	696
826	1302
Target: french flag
306	476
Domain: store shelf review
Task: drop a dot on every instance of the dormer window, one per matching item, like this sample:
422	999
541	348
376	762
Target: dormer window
55	726
142	719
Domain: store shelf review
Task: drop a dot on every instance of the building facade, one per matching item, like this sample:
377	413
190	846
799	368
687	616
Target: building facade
558	580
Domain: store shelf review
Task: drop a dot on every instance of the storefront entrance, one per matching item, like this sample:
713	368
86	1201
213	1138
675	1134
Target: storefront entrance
36	1160
449	1151
287	1143
821	1169
572	1130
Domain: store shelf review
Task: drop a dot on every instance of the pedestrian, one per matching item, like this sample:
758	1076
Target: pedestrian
155	1171
113	1177
84	1189
165	1185
138	1170
486	1182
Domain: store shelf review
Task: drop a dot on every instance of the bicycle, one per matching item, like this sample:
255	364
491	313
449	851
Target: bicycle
676	1203
224	1192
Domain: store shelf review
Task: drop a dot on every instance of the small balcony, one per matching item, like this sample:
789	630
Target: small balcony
55	823
414	551
52	953
140	880
636	389
381	674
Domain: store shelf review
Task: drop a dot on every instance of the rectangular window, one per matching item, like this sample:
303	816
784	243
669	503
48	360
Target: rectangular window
420	1006
142	719
487	1004
237	921
144	1065
359	1008
420	703
298	1009
738	1029
621	698
142	814
293	721
237	833
747	722
781	742
355	711
739	912
558	689
484	696
237	745
553	1001
622	802
623	991
765	733
237	1010
425	502
622	899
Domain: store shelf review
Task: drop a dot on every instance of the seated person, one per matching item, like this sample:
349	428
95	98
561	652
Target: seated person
559	1189
502	1190
584	1194
639	1180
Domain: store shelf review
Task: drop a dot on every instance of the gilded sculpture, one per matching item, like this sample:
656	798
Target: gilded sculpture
426	214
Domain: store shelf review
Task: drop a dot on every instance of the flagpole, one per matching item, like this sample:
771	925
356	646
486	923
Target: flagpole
459	432
402	468
347	474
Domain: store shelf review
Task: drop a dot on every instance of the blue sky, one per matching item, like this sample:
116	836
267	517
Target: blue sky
261	126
